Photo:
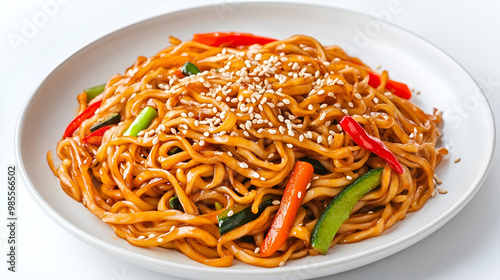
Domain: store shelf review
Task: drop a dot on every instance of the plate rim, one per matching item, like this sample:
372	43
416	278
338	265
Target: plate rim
382	250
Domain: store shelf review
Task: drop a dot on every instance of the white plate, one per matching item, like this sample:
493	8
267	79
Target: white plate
444	85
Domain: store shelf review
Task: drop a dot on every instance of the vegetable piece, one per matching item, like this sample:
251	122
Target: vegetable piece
235	217
189	69
295	191
113	119
370	143
174	150
218	205
94	91
397	88
142	121
340	208
318	167
87	113
230	39
174	203
95	138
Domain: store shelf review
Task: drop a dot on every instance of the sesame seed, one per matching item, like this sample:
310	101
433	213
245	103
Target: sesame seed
140	237
439	182
270	155
243	164
281	264
319	139
357	95
387	93
272	131
289	145
201	143
160	239
299	194
345	111
301	137
230	213
457	160
184	115
248	125
350	104
152	235
229	153
155	140
310	107
441	191
276	202
282	129
286	101
348	177
308	186
256	250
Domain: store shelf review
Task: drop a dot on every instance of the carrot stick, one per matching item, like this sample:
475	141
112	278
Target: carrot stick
290	202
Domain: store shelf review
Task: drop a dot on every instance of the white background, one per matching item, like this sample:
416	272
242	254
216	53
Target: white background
468	247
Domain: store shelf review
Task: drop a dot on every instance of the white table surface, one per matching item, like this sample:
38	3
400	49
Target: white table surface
468	247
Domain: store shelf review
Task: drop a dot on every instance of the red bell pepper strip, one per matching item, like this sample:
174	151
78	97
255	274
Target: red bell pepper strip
87	113
95	138
370	143
397	88
295	191
230	39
